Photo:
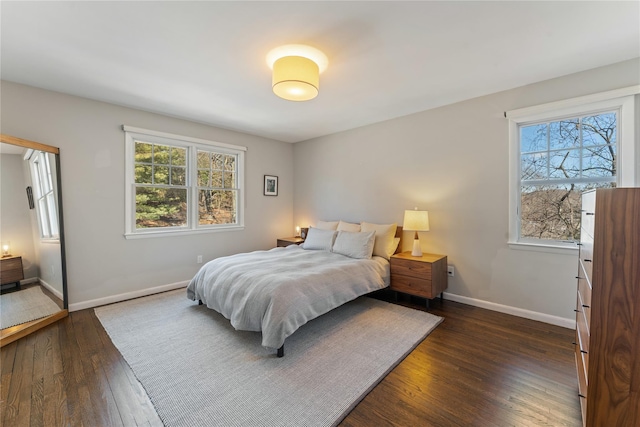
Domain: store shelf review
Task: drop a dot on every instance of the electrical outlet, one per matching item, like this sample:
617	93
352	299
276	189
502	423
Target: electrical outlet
451	271
199	259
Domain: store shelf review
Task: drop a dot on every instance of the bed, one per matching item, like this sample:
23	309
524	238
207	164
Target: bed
278	290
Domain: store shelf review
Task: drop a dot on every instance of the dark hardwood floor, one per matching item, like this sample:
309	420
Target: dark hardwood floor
478	368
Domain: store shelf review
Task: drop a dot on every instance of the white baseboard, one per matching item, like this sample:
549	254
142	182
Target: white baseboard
128	295
515	311
28	281
50	288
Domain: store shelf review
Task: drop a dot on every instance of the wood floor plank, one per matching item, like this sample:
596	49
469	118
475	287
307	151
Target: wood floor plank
477	368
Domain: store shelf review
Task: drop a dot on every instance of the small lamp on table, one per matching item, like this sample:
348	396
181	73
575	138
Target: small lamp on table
416	220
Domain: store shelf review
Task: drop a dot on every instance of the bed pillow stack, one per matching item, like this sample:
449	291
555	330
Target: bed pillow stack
353	240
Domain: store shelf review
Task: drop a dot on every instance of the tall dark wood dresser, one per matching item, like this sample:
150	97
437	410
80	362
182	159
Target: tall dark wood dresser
608	308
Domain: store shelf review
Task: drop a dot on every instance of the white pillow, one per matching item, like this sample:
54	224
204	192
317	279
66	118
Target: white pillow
327	225
318	239
354	244
385	234
348	226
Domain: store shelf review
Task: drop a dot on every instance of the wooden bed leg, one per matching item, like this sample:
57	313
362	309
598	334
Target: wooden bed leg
281	351
199	302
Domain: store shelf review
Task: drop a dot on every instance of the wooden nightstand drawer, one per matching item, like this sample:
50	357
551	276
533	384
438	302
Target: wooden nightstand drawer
412	286
404	267
11	270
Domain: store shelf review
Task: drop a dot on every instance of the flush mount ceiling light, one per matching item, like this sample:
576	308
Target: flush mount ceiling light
296	71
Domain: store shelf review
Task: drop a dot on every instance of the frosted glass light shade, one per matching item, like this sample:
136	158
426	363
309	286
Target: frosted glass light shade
416	220
296	78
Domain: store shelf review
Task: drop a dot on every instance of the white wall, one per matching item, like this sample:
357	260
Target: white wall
452	161
101	263
15	218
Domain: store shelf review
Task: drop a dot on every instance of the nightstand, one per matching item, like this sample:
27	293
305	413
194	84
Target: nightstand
286	241
11	270
423	276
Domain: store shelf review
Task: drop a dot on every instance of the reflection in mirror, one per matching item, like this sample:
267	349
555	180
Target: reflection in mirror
32	269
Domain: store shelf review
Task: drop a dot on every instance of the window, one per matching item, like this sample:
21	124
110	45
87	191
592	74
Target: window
46	208
181	184
559	151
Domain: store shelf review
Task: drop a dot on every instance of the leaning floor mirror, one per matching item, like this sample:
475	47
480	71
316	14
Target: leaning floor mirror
32	268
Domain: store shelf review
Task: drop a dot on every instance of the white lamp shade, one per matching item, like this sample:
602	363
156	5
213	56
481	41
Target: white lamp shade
416	220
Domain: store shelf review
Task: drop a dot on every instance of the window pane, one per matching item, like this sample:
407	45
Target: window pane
143	174
178	156
217	207
564	134
599	161
216	179
161	154
229	180
161	207
178	176
161	175
203	178
143	152
599	129
534	166
53	215
230	163
552	212
44	224
564	164
204	161
218	161
533	138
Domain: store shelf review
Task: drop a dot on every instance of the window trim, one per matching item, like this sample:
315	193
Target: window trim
192	144
37	160
620	100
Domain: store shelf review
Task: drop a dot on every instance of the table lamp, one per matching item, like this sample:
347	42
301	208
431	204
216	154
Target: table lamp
416	220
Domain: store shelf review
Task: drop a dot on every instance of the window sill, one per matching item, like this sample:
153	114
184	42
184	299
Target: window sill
547	248
170	233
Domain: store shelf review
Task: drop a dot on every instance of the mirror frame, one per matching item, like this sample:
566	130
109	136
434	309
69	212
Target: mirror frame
14	333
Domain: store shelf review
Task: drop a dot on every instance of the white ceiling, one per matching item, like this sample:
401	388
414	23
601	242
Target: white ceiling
205	61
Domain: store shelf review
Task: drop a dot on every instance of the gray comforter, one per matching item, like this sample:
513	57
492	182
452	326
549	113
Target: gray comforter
279	290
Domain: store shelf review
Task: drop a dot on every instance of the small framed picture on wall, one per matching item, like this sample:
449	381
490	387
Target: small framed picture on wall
270	185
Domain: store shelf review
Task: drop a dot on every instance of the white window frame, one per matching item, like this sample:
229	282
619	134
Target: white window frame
192	145
45	195
628	151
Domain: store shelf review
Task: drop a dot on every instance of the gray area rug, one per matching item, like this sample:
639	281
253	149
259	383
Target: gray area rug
199	371
24	306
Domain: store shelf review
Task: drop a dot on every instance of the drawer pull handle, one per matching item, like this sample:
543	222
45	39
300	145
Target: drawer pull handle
574	343
590	213
578	244
585	306
577	311
587	260
582	396
584	352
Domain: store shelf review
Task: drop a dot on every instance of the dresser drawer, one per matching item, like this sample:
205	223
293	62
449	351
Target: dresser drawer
582	383
583	336
411	285
584	299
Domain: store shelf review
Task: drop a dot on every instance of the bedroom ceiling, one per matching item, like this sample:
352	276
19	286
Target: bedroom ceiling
205	61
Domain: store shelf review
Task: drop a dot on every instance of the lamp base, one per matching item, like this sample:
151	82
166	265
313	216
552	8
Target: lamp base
417	250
